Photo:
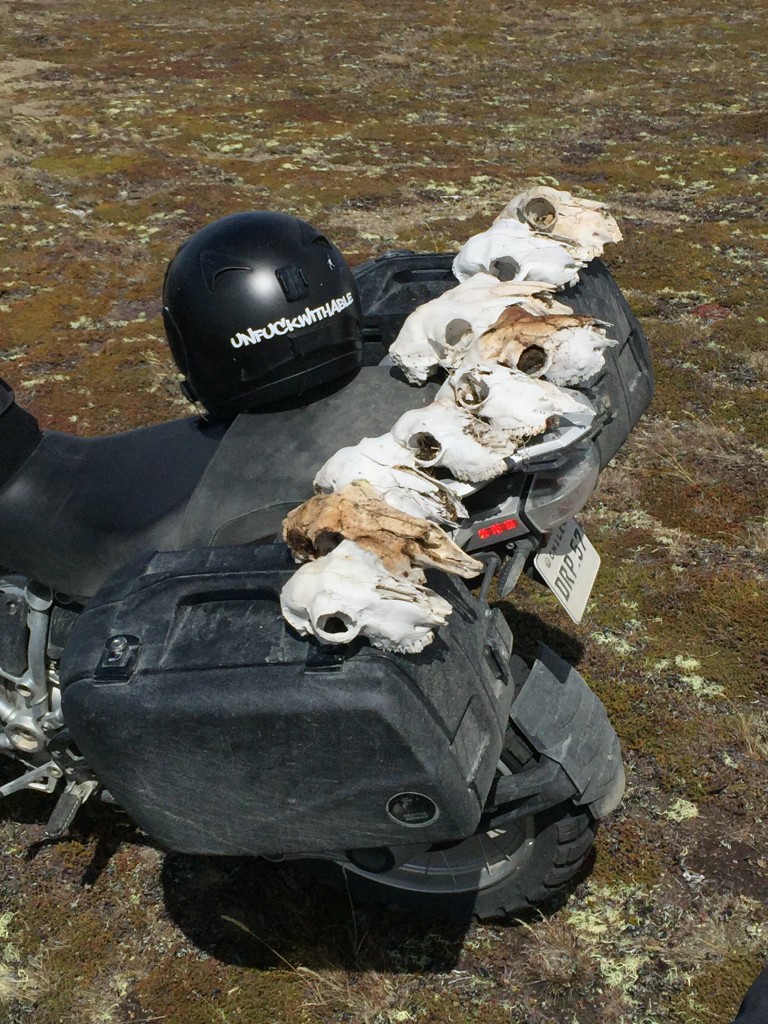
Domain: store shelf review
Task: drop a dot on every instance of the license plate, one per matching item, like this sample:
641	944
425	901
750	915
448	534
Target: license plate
569	565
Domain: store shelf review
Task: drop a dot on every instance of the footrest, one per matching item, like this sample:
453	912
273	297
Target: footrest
67	806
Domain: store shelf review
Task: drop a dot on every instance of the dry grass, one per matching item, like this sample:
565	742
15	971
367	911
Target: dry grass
558	959
368	996
686	451
758	361
751	729
22	981
101	1002
757	534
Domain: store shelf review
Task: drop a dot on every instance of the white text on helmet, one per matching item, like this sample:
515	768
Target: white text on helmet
285	325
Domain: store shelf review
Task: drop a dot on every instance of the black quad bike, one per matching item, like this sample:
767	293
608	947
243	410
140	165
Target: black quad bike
144	659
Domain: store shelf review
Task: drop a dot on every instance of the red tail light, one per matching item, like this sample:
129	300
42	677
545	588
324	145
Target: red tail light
497	529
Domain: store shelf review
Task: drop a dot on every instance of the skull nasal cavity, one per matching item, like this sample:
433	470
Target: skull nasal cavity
333	624
326	541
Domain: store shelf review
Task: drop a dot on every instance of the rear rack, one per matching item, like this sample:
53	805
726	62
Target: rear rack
394	284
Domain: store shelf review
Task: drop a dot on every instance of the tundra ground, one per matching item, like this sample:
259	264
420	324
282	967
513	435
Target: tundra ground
125	126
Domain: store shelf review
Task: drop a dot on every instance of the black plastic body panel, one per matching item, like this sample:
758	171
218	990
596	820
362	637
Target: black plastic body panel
394	284
267	461
624	388
229	734
19	434
391	287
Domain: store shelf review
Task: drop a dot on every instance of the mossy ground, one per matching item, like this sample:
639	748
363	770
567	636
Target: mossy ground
123	127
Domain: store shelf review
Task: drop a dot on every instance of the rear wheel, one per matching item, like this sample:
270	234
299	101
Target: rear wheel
508	866
506	869
513	862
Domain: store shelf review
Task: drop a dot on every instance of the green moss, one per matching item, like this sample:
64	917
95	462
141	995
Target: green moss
717	988
747	411
88	165
627	853
135	212
184	992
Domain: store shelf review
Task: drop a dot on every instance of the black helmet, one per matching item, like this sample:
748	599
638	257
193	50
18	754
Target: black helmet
260	307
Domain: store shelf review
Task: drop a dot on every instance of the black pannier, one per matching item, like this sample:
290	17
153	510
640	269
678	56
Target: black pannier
219	730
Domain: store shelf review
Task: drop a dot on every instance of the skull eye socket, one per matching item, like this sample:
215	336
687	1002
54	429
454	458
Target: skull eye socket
424	446
456	330
505	268
532	360
471	391
540	214
326	541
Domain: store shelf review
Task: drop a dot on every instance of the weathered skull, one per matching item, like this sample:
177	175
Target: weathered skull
565	348
439	332
441	434
392	472
577	354
582	223
510	251
357	513
519	405
349	593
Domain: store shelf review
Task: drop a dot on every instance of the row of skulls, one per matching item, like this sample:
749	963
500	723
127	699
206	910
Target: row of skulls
508	352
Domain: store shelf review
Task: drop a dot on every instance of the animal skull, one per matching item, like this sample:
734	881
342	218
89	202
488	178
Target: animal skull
577	354
511	251
357	513
565	348
582	223
391	470
349	593
441	434
519	405
439	332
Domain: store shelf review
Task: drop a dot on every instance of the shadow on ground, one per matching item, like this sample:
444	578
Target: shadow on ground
529	630
254	913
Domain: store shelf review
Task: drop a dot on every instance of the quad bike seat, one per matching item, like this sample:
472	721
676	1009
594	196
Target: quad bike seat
73	510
